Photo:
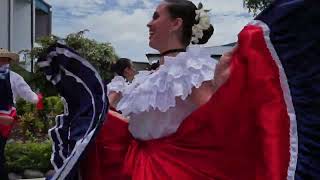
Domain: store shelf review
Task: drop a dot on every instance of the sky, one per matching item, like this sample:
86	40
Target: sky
123	22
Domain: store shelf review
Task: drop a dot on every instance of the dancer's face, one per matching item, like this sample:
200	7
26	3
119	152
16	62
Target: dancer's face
160	27
130	72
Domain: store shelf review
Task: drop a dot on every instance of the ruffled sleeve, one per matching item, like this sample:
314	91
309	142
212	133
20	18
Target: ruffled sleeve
175	78
118	84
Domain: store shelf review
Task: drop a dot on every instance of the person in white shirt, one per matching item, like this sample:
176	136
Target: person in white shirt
12	87
20	89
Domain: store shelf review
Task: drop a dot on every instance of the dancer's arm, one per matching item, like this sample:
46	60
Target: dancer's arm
114	98
202	94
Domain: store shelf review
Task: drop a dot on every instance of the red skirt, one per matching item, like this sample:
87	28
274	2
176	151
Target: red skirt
242	133
105	157
202	148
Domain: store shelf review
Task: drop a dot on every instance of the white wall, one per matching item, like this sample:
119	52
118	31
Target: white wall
21	30
4	20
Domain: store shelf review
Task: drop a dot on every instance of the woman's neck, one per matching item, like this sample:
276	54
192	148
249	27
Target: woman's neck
172	43
171	54
163	50
172	51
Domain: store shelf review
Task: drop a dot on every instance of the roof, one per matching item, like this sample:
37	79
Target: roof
219	50
230	44
153	58
43	6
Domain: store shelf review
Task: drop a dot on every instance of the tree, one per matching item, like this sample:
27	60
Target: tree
256	5
100	55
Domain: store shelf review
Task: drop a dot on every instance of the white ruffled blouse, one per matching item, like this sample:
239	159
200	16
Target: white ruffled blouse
157	103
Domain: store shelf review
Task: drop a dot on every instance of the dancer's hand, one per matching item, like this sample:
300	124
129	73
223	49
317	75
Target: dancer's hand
40	105
222	71
118	115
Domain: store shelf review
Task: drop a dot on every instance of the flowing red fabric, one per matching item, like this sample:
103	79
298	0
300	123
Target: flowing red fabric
242	133
105	157
5	130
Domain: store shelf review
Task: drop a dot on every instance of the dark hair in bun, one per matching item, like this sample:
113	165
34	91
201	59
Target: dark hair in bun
186	10
206	35
120	66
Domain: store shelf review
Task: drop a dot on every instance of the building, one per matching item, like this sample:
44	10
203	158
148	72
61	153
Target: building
23	22
139	66
217	51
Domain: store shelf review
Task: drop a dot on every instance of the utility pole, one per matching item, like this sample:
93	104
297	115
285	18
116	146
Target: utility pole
32	31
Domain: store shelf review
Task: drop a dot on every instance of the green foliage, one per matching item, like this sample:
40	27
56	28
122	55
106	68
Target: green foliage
255	6
29	155
33	124
30	123
23	107
100	55
53	105
31	148
21	71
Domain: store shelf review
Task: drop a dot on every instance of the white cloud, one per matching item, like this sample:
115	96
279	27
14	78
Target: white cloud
227	28
219	6
75	3
140	3
77	7
117	26
128	33
125	3
148	3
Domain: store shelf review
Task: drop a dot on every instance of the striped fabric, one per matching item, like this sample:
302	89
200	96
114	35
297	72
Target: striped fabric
292	32
85	104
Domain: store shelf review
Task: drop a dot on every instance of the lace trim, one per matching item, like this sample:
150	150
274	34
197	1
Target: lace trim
175	78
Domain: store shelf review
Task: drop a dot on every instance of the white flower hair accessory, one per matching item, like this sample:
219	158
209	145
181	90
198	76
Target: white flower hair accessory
203	23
